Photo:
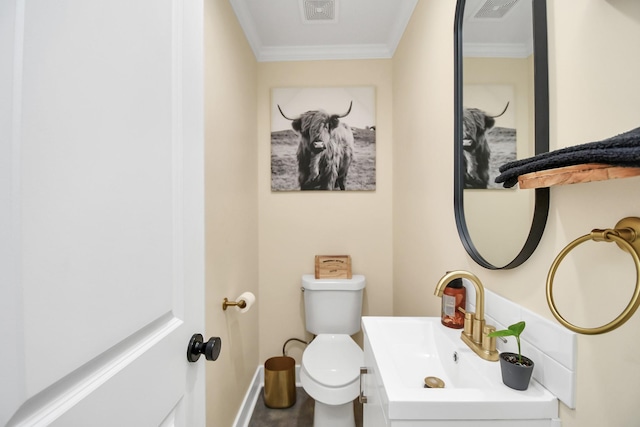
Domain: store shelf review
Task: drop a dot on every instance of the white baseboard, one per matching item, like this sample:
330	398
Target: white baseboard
250	398
253	393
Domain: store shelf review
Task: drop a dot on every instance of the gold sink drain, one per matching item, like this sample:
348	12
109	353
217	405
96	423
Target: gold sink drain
433	382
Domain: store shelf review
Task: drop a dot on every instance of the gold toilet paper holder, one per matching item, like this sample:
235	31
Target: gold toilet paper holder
226	303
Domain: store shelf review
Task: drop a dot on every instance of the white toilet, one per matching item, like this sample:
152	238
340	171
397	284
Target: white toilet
330	367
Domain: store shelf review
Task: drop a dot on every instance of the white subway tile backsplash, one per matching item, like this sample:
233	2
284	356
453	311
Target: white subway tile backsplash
501	309
553	339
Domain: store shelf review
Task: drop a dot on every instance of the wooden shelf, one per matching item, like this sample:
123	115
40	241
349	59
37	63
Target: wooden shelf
574	175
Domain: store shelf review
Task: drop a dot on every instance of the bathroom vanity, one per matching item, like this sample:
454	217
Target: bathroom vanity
399	352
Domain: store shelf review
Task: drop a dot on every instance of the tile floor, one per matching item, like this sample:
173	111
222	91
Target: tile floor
299	415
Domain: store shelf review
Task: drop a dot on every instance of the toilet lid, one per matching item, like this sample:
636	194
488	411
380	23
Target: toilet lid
333	360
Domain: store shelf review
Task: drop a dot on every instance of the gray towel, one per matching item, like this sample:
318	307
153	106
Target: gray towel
620	150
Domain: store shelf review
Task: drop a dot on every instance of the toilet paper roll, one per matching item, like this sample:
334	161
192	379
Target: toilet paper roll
247	297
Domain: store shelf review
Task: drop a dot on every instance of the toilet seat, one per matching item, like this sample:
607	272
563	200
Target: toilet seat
333	360
330	369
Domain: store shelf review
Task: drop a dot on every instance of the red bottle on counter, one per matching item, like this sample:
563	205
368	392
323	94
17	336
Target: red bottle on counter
454	297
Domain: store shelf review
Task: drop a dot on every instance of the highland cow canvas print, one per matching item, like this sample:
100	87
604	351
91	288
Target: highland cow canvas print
489	133
323	139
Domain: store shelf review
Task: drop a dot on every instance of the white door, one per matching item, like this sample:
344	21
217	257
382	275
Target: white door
101	212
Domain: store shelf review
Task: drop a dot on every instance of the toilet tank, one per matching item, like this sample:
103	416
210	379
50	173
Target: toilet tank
333	306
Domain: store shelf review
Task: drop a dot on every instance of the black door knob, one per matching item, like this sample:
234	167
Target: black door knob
197	346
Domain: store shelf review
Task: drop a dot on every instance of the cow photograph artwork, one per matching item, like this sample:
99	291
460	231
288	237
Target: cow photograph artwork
488	133
323	139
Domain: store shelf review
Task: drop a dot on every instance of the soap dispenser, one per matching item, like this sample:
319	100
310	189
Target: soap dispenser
454	297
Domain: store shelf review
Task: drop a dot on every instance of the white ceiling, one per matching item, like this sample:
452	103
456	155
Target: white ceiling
362	29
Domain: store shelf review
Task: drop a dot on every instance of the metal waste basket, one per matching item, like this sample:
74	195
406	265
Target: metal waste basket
280	382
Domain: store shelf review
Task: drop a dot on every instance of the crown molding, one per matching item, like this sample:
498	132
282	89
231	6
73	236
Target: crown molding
497	50
247	25
329	52
406	12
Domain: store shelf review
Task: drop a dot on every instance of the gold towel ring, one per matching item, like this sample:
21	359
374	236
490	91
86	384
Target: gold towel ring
626	235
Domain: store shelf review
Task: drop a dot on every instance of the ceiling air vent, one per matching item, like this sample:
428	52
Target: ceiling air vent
319	10
495	9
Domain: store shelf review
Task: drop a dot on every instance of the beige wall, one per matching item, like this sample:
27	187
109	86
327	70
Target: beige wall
594	88
231	208
296	226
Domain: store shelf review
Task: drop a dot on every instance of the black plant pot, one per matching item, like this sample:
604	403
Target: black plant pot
514	374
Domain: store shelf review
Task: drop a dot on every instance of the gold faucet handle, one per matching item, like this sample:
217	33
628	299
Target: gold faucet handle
468	323
488	343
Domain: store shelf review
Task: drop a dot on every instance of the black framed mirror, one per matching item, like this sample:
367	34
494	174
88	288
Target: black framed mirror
502	92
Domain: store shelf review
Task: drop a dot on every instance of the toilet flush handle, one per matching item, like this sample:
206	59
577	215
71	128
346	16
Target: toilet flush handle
361	397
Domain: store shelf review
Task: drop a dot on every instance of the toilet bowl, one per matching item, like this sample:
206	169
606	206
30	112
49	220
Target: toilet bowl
329	373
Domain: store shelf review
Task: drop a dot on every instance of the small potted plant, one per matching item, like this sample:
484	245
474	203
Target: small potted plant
516	368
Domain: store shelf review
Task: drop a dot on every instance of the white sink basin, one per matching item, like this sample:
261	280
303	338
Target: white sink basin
408	349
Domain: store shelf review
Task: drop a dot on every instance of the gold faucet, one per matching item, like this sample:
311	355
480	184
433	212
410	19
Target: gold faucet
475	329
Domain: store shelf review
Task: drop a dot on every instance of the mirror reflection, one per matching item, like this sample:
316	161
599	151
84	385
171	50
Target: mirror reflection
497	114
